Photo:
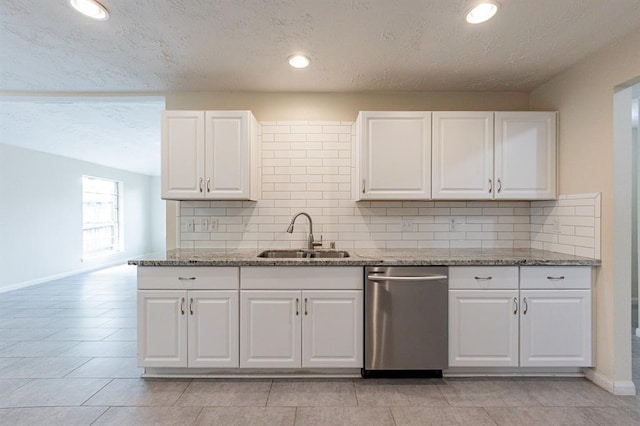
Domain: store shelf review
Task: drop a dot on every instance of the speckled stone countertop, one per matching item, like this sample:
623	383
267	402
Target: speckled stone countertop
361	257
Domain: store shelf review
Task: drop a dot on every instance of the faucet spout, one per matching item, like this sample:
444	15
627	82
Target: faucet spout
311	244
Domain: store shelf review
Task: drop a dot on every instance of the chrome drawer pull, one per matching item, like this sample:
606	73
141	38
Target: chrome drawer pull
182	306
483	278
556	278
515	305
186	278
526	306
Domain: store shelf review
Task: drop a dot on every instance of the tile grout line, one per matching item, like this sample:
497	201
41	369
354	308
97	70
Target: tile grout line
101	414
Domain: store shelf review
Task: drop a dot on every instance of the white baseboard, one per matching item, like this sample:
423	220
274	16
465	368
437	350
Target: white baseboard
618	387
23	284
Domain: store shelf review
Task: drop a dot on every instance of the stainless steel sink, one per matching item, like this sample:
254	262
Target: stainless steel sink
330	254
284	254
304	254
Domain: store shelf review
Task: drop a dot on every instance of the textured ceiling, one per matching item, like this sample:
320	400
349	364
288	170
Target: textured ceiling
123	133
354	45
192	45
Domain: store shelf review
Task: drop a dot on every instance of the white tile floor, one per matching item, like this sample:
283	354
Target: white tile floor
67	357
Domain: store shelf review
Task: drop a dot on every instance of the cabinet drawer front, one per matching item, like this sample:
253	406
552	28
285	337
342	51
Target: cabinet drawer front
188	277
302	278
555	277
483	277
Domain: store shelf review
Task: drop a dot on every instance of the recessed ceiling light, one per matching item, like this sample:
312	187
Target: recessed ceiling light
299	61
91	8
482	12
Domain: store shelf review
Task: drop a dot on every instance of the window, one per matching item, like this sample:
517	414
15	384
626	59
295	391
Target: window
101	213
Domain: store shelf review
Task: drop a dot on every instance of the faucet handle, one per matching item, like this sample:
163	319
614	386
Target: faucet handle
317	243
332	245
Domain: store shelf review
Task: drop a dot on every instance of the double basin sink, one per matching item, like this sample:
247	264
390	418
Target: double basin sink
304	254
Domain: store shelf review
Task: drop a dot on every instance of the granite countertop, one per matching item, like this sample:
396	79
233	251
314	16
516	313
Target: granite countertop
361	257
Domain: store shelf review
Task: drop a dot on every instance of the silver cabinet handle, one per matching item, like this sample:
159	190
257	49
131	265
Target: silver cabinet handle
306	312
182	306
483	278
499	185
526	306
556	278
363	187
515	305
417	278
201	180
191	306
208	184
186	278
490	186
297	306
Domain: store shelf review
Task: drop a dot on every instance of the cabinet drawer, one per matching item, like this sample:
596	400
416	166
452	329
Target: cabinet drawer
188	277
483	277
302	278
555	277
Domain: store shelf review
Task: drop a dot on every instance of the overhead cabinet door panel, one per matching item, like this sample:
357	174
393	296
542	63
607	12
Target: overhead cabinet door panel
395	155
462	155
182	154
227	153
525	155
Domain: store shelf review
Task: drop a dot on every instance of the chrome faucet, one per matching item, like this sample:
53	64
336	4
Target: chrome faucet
311	244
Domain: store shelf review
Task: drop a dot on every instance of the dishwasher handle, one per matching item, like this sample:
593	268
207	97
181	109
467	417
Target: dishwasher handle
411	278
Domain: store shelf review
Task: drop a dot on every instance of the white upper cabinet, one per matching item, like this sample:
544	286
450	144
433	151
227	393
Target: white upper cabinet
182	154
393	157
462	155
486	155
525	155
209	155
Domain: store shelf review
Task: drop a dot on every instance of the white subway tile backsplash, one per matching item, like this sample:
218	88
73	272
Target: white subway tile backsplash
308	166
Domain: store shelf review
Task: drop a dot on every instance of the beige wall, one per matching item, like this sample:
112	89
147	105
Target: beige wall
345	106
584	98
335	106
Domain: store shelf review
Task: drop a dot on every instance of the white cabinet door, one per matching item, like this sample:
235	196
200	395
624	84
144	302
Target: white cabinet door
183	155
162	328
213	329
555	328
462	155
525	155
227	154
270	328
483	328
332	329
394	157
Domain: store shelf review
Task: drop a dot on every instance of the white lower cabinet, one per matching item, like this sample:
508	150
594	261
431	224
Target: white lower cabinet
162	328
540	317
188	317
483	328
293	329
270	329
188	328
213	329
289	319
332	328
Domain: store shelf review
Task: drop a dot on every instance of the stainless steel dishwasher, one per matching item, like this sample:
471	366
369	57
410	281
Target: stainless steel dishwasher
406	321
